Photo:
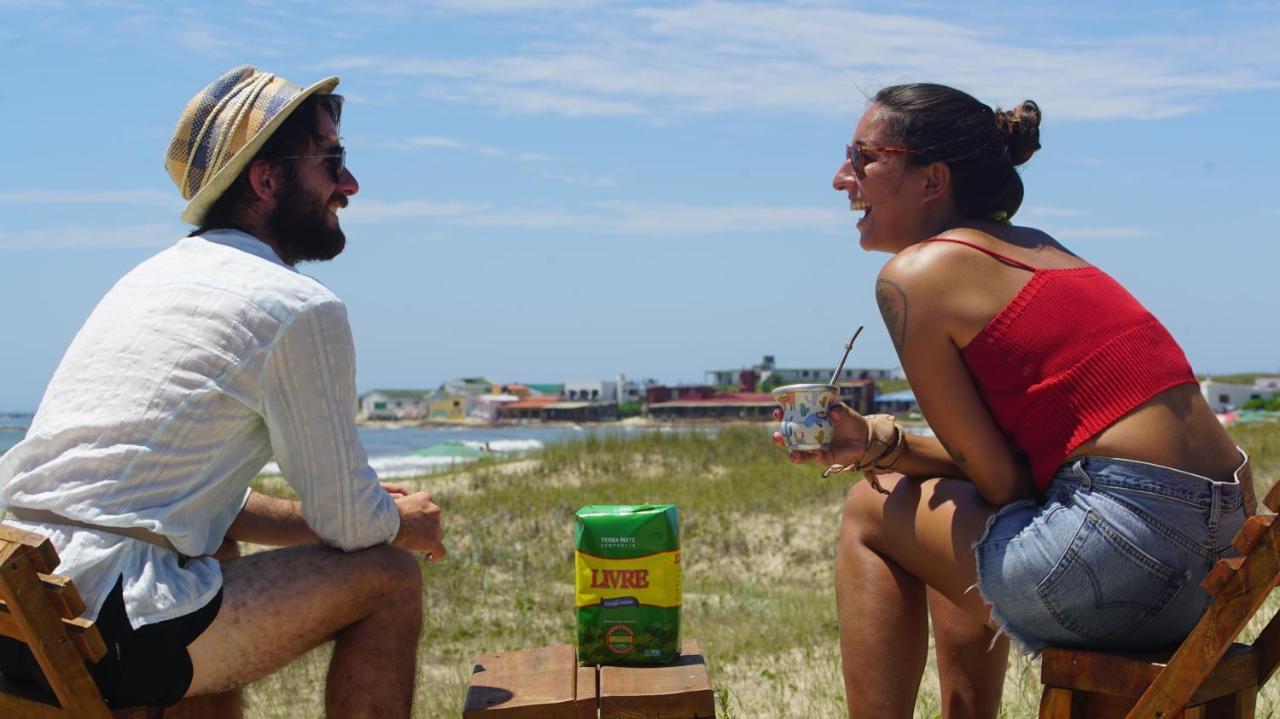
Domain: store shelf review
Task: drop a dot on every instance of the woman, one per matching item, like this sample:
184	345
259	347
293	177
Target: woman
1077	480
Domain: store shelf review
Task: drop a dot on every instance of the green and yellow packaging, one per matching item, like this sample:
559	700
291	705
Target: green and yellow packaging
627	565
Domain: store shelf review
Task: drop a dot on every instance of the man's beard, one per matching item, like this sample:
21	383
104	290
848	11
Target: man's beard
300	225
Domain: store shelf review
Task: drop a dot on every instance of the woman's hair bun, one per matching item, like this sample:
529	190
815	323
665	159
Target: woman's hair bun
1020	128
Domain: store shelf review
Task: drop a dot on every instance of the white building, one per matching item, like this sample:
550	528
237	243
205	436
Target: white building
487	407
394	404
620	390
591	390
1223	397
788	375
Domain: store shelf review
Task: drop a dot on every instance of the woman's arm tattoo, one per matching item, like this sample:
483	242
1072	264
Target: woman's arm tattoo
893	307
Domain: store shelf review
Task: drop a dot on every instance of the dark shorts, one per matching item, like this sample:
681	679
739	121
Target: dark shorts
148	666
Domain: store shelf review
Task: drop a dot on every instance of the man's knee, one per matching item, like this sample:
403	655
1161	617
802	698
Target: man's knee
396	572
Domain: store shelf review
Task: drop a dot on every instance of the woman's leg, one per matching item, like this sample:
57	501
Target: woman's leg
970	666
891	548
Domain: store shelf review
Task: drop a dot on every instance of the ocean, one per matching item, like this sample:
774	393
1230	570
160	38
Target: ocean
392	450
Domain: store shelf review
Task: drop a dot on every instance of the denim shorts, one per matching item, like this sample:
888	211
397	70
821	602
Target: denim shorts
1111	558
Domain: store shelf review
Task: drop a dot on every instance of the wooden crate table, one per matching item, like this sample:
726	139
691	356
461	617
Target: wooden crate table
547	683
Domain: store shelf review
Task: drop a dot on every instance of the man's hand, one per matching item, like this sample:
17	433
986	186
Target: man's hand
420	529
848	441
397	490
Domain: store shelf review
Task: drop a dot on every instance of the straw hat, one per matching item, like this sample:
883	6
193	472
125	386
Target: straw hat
224	126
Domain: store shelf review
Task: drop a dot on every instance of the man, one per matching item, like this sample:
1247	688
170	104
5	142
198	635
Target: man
199	366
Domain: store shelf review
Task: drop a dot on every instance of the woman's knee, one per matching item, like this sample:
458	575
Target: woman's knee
863	509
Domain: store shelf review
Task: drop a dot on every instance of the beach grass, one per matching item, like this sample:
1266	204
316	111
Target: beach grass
758	537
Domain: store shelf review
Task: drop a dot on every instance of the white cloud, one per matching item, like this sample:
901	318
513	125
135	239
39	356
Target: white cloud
581	179
59	238
415	143
39	196
724	56
487	7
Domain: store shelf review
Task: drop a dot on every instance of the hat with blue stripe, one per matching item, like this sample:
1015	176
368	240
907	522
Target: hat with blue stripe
224	126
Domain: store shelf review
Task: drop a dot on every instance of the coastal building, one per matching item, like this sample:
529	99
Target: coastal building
527	410
467	386
450	409
391	404
767	369
860	394
1225	397
616	390
487	408
659	393
726	406
568	411
897	402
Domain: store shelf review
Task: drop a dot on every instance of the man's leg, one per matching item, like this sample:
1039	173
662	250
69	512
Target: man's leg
222	705
279	604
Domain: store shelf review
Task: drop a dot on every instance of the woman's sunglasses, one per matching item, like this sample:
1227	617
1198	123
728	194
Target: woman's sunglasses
856	154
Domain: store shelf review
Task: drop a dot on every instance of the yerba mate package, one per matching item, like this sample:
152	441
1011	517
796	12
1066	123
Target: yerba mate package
628	584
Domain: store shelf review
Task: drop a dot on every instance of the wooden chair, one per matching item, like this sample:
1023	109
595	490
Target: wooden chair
42	610
1208	676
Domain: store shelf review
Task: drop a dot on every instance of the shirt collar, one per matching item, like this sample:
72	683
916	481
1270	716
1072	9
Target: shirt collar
244	242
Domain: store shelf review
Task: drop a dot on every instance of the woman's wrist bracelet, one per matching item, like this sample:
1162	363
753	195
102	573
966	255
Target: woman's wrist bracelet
885	443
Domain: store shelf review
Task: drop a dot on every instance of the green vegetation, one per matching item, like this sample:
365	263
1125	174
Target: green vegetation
885	386
758	546
1271	404
630	409
1238	378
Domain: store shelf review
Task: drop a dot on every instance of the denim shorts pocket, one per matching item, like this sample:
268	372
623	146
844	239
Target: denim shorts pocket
1104	586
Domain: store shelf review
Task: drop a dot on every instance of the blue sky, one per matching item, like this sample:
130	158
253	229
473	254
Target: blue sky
577	189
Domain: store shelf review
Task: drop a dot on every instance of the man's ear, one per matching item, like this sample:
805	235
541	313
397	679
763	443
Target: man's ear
937	180
265	180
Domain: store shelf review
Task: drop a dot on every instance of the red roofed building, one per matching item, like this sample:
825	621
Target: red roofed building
731	405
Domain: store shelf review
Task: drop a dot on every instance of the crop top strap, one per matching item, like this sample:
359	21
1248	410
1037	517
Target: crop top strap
1003	258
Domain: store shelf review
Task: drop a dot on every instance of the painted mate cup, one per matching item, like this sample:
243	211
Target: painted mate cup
805	423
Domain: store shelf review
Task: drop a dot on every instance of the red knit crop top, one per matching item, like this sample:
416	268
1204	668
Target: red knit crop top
1069	355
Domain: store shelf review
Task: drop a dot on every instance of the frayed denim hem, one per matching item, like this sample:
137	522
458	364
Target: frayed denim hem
1028	645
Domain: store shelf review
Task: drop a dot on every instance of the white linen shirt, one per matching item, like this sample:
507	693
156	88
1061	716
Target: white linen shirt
194	369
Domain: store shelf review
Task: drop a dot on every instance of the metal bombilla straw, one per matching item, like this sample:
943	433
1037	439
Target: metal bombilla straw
848	346
839	368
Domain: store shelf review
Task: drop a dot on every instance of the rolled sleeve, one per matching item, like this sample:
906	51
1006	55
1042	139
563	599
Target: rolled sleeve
309	403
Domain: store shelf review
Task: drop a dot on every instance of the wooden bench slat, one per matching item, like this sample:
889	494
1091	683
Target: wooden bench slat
1129	675
547	683
1222	573
1254	529
680	689
587	704
62	592
531	684
48	556
82	632
54	651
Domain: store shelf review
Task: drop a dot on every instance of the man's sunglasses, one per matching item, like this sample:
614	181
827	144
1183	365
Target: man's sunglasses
856	154
335	161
